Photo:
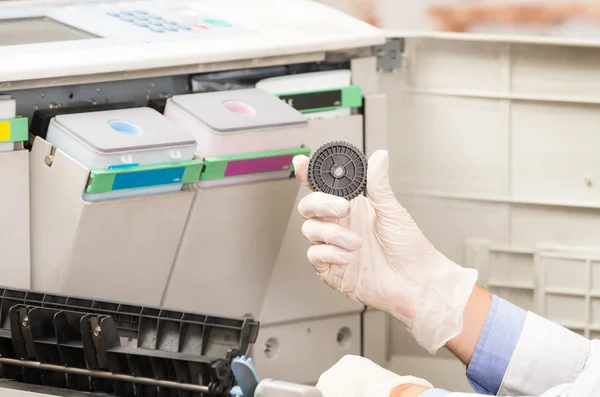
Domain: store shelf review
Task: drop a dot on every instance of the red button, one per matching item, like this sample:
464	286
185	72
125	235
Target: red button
198	26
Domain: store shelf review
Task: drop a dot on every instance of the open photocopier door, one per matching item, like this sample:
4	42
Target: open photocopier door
123	350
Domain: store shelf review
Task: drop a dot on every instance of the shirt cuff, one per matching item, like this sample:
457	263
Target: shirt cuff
435	393
547	355
496	345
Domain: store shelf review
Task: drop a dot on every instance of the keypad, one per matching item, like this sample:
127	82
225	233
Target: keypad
159	24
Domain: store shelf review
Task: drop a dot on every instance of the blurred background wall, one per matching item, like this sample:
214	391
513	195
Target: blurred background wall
494	16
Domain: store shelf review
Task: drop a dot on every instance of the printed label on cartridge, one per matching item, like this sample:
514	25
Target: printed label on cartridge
14	130
258	165
133	180
317	101
4	131
314	100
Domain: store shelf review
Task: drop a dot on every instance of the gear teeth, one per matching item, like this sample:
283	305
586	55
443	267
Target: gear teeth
245	376
354	168
245	360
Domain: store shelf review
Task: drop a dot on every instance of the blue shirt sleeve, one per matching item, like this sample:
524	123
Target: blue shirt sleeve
496	345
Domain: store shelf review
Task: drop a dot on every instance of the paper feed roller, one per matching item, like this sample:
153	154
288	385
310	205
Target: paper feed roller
117	349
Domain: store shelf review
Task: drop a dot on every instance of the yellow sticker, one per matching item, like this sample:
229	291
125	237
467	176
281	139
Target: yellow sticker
4	131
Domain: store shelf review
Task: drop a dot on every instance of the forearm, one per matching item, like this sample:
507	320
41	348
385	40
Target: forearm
463	346
499	341
495	334
491	331
476	312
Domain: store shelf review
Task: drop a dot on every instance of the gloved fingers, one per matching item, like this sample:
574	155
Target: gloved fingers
358	376
322	205
331	386
380	192
323	256
329	390
319	231
330	263
301	169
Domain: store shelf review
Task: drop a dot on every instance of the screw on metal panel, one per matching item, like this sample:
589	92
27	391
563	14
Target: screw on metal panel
25	322
97	331
267	348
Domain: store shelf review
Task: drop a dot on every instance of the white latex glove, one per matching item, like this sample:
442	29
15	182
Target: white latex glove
355	376
372	251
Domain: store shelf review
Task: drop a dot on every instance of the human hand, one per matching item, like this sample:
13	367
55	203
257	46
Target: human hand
371	250
355	376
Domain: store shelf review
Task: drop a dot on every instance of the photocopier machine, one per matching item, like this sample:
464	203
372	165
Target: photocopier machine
148	217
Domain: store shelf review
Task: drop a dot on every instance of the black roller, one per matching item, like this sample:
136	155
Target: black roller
338	168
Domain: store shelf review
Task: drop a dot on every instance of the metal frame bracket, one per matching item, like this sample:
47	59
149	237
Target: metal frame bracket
389	55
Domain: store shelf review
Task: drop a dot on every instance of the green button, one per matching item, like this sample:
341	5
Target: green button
217	22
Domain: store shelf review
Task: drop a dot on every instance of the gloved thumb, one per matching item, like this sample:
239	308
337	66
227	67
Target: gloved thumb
379	191
301	169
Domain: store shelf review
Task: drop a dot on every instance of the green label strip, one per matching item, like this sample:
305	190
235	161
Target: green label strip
139	177
14	130
247	164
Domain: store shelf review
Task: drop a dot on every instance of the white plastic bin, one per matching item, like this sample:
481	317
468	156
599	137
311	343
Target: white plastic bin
14	190
326	94
243	135
119	139
234	231
8	110
111	192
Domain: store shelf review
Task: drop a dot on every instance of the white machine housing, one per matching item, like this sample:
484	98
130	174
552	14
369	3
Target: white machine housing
480	155
247	235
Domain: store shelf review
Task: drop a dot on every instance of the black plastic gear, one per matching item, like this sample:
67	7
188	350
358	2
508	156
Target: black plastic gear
338	168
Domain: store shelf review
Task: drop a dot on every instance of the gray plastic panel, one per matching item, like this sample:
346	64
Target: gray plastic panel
95	130
267	110
136	90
